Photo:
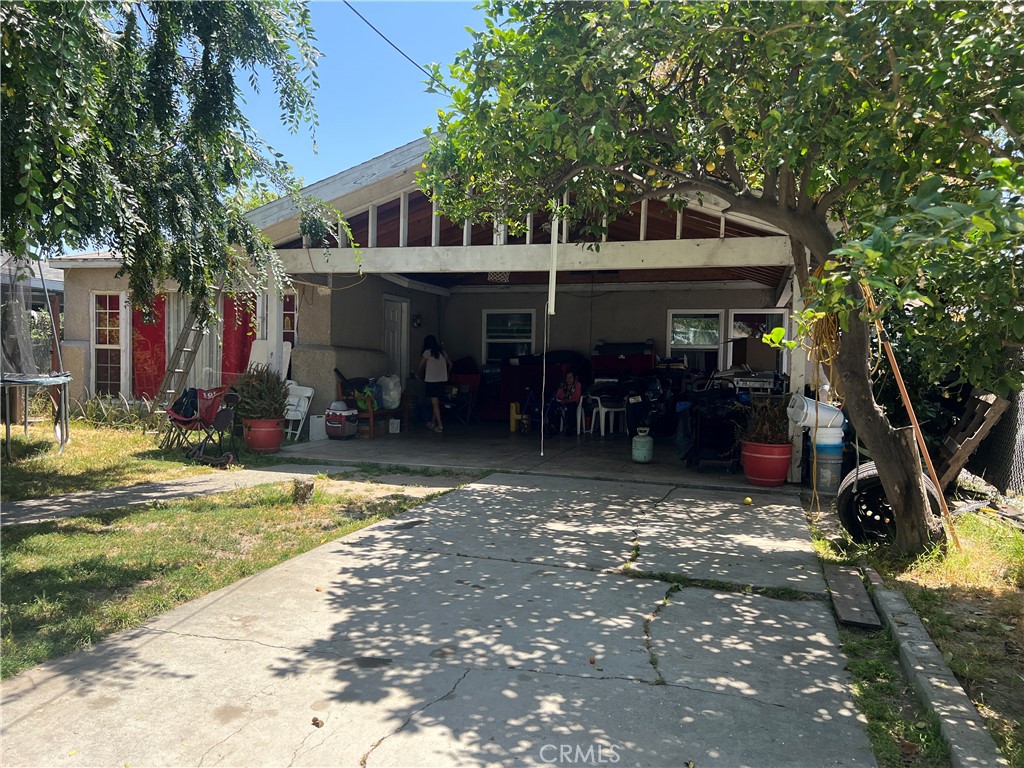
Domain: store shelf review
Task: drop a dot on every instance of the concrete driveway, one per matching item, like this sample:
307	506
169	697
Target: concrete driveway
490	626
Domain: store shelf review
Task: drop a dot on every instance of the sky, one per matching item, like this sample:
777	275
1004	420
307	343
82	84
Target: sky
371	99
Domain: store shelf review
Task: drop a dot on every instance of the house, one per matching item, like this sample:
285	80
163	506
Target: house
682	285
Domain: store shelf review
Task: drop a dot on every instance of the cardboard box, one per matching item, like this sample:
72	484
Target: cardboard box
317	428
755	353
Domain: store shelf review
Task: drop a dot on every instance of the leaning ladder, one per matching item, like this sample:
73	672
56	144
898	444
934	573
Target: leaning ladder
182	358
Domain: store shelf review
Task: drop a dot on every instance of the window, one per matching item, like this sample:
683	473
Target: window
507	333
754	323
290	319
110	343
697	336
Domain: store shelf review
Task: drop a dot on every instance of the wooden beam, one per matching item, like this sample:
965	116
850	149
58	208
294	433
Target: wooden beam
784	290
403	220
435	225
652	254
401	162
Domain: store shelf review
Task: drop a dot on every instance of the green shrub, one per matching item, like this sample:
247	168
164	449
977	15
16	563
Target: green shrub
262	393
118	412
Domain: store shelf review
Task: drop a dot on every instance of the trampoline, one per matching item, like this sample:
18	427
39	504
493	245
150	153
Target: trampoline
19	368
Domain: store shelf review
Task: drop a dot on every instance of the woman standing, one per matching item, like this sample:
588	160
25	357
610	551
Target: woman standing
437	367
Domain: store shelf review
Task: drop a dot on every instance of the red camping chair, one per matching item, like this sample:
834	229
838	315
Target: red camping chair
223	422
188	424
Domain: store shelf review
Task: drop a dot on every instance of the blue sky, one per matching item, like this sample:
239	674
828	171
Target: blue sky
371	99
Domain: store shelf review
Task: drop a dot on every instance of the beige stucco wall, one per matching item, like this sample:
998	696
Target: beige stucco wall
79	285
357	313
582	318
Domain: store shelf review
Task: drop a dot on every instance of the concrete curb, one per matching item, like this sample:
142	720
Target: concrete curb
938	690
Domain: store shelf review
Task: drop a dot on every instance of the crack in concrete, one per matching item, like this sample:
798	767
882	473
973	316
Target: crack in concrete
532	671
237	731
302	744
728	694
322	654
382	739
648	640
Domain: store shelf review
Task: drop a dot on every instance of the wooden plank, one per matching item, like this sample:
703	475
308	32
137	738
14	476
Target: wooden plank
853	604
984	409
647	255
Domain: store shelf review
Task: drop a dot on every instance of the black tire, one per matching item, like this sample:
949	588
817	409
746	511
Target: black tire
864	509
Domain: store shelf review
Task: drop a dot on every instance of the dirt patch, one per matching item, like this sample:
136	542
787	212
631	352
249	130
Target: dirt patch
382	486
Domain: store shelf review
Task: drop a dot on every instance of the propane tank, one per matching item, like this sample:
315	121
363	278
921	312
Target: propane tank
643	446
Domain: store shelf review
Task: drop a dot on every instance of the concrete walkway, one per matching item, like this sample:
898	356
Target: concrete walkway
87	502
486	627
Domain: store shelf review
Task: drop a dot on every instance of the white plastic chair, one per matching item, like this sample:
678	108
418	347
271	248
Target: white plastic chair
581	415
296	408
602	409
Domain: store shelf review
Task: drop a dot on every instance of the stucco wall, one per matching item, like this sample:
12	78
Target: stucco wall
582	318
76	351
357	314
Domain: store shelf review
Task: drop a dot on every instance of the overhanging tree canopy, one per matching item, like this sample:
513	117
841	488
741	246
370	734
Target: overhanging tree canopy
121	128
804	115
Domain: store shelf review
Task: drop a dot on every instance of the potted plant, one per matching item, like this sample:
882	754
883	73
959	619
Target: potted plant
262	396
765	447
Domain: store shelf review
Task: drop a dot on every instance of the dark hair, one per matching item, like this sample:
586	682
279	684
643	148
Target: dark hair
433	345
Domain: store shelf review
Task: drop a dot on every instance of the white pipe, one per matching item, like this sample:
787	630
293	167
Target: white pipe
553	270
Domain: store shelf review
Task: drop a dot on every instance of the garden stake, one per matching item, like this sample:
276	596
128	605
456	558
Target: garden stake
884	337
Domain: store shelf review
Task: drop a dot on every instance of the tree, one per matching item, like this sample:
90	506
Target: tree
804	115
121	128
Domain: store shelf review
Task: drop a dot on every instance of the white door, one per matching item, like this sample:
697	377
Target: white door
396	335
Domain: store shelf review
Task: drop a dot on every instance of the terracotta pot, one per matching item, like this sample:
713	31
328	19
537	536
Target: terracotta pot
263	435
765	464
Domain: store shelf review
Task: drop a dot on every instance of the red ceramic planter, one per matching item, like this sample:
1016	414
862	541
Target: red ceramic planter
263	435
766	465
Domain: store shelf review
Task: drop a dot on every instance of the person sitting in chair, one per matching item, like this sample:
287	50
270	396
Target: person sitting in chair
562	410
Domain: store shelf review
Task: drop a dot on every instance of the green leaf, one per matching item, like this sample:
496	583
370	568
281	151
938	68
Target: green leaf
984	225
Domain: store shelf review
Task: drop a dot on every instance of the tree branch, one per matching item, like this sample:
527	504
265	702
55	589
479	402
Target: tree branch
728	137
1002	122
827	200
803	193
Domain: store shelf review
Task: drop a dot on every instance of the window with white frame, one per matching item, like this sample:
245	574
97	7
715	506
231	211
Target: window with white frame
697	336
753	324
111	344
507	333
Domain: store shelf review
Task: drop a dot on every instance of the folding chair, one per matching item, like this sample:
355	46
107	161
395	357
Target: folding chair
223	421
185	427
296	408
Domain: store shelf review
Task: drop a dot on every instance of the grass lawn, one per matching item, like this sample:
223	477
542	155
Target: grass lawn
972	602
66	584
94	460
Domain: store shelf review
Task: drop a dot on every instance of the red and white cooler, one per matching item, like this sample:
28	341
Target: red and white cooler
340	421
